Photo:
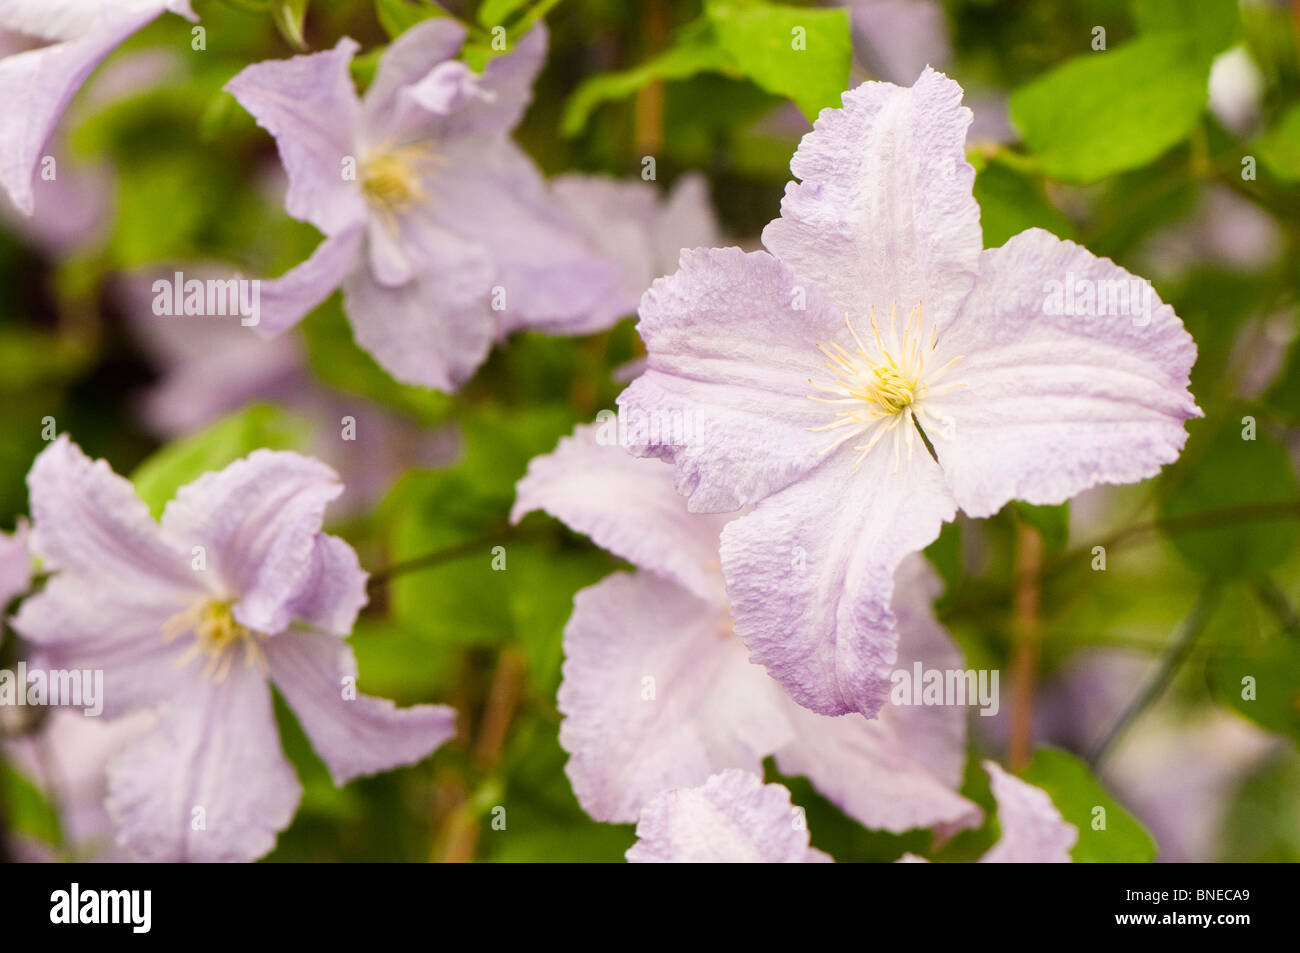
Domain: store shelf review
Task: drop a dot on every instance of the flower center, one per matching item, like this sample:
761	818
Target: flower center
393	179
217	635
882	389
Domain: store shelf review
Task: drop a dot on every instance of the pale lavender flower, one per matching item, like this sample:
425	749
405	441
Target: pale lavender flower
732	818
237	588
441	231
808	372
657	692
36	84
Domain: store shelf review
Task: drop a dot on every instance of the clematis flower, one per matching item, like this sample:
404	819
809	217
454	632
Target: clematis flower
36	84
444	220
815	375
733	817
195	617
657	693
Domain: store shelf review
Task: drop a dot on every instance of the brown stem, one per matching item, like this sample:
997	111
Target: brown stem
1027	630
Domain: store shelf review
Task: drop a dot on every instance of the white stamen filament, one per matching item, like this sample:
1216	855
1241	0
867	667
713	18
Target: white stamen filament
885	387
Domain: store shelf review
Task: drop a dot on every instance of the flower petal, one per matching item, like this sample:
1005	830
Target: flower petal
334	588
286	300
258	521
309	104
1033	830
209	783
1053	404
507	85
626	505
80	623
15	563
406	61
37	85
901	770
88	521
885	211
436	329
732	818
353	734
810	573
657	694
725	391
490	192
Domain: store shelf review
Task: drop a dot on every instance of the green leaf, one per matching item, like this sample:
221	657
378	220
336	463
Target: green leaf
288	16
1077	795
800	53
26	810
496	12
159	477
695	51
1279	148
398	16
1104	112
1011	202
1211	25
1255	670
1219	469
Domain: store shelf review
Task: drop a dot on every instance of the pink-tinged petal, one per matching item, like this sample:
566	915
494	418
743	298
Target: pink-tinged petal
406	61
287	300
87	520
334	588
725	391
354	734
209	783
309	104
69	19
257	521
810	573
15	563
733	818
490	192
1033	830
657	694
626	505
507	89
37	85
436	329
885	211
82	623
1052	404
901	770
